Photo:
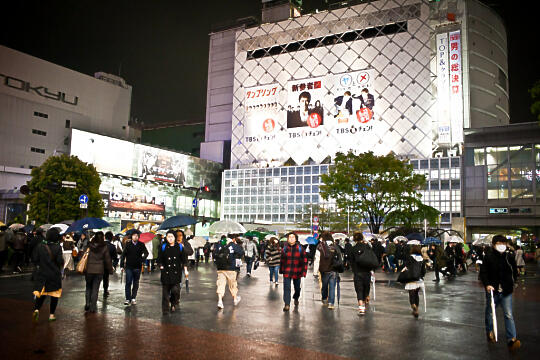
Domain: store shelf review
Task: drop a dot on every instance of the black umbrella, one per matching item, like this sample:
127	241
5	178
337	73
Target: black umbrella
132	231
177	221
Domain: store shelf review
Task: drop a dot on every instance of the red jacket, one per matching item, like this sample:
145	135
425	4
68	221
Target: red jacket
293	262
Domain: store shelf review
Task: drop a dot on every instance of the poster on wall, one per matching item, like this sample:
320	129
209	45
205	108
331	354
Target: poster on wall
305	103
443	90
161	165
353	98
262	111
456	88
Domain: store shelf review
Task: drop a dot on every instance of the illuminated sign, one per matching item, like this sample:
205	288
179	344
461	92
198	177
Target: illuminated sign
456	87
42	91
443	93
498	210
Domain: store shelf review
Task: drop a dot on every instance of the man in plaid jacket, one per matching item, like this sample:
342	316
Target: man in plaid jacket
293	266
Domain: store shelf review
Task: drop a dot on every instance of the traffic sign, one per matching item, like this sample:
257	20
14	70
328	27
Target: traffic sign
83	199
195	202
83	206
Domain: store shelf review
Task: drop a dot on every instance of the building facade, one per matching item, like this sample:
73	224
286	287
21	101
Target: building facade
385	76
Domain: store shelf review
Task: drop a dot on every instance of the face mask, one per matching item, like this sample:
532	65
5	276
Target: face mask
500	248
328	242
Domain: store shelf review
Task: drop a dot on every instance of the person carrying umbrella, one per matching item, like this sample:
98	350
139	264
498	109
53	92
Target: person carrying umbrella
133	257
99	262
171	260
498	274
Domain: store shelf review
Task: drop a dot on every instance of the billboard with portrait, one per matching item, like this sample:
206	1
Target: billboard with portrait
305	103
161	165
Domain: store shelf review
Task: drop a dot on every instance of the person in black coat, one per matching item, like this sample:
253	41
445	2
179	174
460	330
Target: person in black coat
99	262
133	255
48	276
361	275
172	259
109	236
498	274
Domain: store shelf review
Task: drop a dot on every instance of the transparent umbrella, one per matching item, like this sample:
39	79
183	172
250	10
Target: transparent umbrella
226	227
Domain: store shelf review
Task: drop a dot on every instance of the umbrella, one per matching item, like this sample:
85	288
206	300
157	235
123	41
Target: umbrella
338	288
132	231
432	240
87	224
226	227
146	237
373	282
213	240
45	226
197	241
61	227
16	226
28	228
303	241
177	221
493	315
483	241
339	236
415	236
312	240
67	222
188	232
400	238
455	239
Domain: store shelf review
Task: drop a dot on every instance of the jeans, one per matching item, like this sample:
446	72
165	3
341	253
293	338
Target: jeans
249	263
287	289
362	284
274	273
92	287
506	303
132	277
391	263
328	291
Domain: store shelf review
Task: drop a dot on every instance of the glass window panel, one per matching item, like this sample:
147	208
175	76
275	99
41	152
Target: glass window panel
537	182
434	163
456	184
307	170
424	164
227	183
520	154
292	171
414	164
537	153
315	198
445	163
283	179
291	189
227	175
260	200
455	162
291	199
324	169
275	209
283	199
315	179
299	180
283	171
445	185
307	189
267	208
233	191
275	171
233	174
298	198
299	189
299	171
496	155
521	179
434	184
299	208
315	169
307	199
315	189
240	191
253	182
240	200
307	179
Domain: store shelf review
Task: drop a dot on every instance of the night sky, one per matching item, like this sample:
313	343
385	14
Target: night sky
161	47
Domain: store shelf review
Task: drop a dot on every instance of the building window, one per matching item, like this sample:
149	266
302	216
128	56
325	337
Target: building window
39	132
68	124
37	150
40	114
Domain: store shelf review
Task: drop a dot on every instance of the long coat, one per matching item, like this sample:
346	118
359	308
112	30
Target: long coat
48	273
172	259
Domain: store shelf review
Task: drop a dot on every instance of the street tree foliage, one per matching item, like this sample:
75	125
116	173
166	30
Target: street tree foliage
47	196
330	219
412	215
372	186
535	95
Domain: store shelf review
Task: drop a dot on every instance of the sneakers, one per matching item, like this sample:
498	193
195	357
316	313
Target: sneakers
491	337
133	301
52	318
237	300
330	306
35	316
249	274
173	308
325	302
514	344
220	304
127	302
361	310
277	283
286	307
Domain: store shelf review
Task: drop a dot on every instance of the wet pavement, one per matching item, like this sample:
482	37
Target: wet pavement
452	327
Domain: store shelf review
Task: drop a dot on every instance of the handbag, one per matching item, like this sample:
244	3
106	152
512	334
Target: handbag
411	273
83	263
74	253
256	264
366	259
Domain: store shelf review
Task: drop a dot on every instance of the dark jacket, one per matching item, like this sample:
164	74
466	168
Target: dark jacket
437	255
273	254
499	270
172	259
133	255
235	252
19	241
99	259
293	262
49	266
358	247
378	249
326	256
410	260
113	253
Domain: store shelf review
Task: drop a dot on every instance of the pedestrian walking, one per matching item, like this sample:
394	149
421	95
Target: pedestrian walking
328	260
250	253
450	252
391	255
18	246
437	255
172	260
520	260
133	256
363	260
99	262
69	250
207	250
228	258
48	276
415	267
498	274
293	267
149	262
3	246
273	259
113	254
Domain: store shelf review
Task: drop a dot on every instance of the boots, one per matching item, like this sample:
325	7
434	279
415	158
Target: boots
414	310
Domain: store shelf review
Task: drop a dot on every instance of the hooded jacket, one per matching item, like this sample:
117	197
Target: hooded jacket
99	259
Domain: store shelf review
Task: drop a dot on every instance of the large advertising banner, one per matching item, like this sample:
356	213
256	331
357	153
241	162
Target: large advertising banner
456	88
305	103
262	111
161	165
353	98
443	90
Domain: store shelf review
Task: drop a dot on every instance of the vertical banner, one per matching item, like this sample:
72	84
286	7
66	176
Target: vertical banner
443	90
305	99
261	111
456	88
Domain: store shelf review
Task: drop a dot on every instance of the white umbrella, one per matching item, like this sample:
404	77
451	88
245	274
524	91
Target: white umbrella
455	239
214	240
302	241
226	227
340	236
483	241
45	226
197	241
188	232
16	226
61	227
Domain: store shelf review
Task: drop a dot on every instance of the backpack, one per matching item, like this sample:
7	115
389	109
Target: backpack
222	258
337	261
413	273
366	259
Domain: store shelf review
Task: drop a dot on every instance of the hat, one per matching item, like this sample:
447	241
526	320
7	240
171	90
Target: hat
413	242
498	238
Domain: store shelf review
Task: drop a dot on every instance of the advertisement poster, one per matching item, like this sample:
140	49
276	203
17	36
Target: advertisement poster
161	165
262	111
136	202
305	103
456	89
353	98
443	90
